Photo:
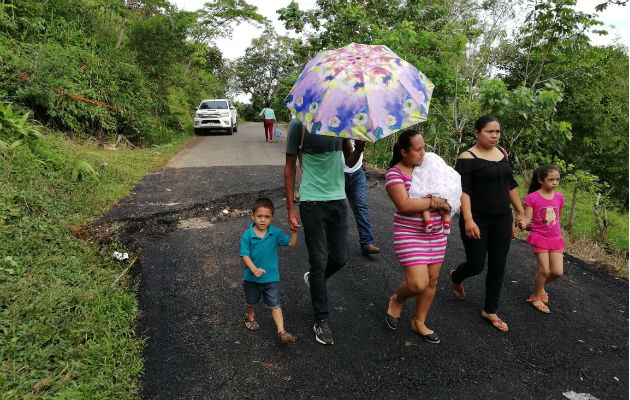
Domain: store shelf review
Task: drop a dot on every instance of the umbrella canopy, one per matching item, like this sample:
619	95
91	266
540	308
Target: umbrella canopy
360	92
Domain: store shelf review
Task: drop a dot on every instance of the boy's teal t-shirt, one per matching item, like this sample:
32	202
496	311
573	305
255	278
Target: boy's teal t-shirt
263	252
322	165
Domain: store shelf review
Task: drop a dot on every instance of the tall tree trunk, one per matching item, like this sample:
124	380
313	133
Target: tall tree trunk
601	223
121	32
572	214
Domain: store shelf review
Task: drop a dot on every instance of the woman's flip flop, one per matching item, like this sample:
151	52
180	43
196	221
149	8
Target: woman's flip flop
497	323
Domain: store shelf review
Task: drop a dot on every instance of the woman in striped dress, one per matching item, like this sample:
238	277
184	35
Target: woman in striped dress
420	253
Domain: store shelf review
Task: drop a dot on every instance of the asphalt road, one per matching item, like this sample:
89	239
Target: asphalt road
189	286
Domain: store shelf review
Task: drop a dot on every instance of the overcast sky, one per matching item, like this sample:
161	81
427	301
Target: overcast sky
243	34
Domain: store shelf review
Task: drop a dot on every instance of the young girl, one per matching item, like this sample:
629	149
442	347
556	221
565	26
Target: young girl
543	209
435	178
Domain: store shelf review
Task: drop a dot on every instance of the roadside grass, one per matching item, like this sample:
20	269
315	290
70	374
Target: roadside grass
65	332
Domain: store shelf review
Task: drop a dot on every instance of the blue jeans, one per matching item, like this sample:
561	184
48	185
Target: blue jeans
325	233
356	191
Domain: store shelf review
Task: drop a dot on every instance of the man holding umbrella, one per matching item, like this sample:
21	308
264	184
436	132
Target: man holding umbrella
322	210
358	92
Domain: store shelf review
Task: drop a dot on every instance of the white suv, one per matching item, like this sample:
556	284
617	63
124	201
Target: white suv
216	114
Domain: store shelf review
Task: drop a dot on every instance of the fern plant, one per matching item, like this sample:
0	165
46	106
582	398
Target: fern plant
15	128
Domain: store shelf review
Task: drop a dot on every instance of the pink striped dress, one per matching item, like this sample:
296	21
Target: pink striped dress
412	245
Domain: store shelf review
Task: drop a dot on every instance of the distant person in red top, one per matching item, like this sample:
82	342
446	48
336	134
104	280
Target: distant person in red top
543	209
268	117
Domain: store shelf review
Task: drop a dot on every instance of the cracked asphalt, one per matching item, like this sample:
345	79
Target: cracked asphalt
189	287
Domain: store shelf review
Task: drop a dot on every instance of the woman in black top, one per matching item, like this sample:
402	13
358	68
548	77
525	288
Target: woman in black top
485	221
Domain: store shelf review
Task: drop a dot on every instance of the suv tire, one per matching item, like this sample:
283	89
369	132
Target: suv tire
229	130
236	127
198	131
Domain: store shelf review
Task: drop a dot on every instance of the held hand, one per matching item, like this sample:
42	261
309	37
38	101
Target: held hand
437	203
519	219
294	219
524	225
446	208
472	230
259	272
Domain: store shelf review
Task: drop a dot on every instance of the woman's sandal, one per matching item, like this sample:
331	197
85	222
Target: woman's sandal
497	323
541	306
392	322
456	288
429	337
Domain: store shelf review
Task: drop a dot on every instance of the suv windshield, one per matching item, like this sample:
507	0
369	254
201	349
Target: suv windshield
213	104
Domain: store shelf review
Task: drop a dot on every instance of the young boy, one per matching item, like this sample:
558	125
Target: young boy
259	250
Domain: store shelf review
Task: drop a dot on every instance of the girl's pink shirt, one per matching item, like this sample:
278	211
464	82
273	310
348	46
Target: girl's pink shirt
546	232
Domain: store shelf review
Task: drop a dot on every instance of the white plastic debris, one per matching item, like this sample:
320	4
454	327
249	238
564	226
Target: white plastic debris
121	256
226	211
578	396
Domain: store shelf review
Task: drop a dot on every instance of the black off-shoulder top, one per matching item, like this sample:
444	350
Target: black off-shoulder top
487	183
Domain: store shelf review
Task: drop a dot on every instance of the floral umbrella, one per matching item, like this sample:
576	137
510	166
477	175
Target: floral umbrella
360	92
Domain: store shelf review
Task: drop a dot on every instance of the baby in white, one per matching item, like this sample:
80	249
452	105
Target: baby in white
435	178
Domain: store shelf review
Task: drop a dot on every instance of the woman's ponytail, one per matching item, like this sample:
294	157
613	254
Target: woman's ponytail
404	141
396	156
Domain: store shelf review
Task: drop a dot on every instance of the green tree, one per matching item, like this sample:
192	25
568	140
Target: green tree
449	41
264	69
554	45
527	117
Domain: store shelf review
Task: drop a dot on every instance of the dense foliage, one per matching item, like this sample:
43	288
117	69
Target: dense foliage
147	60
556	94
66	330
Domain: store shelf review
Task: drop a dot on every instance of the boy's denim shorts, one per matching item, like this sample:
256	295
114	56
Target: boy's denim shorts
268	291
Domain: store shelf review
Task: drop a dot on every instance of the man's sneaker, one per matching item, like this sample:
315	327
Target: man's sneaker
306	279
323	334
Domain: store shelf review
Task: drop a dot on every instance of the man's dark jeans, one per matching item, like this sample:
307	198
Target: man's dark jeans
325	233
356	191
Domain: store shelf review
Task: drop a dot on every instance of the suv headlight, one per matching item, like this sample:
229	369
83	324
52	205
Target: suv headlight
197	115
225	113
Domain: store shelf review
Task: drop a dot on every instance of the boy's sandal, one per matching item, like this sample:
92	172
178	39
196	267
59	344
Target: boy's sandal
541	306
497	323
251	324
286	337
456	288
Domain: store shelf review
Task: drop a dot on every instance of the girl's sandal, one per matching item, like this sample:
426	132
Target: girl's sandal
544	298
540	306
